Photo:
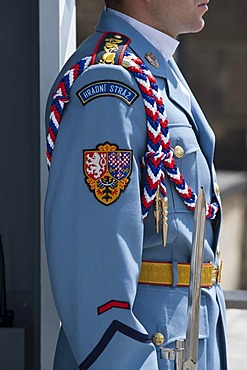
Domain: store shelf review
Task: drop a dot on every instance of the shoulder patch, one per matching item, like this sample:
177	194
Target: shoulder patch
98	89
107	170
110	48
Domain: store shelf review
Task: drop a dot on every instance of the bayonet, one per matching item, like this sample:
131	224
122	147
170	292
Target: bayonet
187	358
164	206
194	297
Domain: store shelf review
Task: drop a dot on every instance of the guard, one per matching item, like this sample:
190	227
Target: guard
128	149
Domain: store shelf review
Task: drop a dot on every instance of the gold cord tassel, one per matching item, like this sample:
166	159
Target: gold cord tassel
161	214
157	210
164	202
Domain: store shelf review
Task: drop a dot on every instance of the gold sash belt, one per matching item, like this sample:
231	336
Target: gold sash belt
161	273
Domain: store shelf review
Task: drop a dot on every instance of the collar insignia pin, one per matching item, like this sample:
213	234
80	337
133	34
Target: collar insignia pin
151	58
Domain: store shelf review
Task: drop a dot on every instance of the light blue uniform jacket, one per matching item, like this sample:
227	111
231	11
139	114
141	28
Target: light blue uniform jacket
95	251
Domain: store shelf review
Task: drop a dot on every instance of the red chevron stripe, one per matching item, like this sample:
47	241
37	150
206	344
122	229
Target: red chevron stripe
113	304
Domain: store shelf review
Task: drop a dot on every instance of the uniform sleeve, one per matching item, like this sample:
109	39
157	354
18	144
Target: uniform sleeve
93	223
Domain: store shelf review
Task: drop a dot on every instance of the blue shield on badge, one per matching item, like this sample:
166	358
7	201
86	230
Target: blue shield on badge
119	164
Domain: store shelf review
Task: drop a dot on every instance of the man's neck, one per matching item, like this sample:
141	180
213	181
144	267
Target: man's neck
161	41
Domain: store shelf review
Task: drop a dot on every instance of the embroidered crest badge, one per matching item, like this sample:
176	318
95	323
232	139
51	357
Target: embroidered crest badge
151	58
107	170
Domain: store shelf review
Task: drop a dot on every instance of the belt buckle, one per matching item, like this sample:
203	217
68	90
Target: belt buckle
217	273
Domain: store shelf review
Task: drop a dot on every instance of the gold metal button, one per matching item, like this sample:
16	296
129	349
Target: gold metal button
178	151
158	339
216	188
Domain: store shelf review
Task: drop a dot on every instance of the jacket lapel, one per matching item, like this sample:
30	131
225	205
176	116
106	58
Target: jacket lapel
179	95
205	133
176	90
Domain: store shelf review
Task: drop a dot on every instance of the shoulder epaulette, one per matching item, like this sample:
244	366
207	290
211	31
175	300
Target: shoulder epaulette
110	49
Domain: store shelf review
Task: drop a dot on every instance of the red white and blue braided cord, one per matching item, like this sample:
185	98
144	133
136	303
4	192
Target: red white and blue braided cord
158	159
60	98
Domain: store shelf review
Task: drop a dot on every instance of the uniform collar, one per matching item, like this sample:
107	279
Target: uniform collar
139	44
166	44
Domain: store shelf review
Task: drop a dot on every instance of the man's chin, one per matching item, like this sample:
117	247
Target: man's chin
196	28
200	27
